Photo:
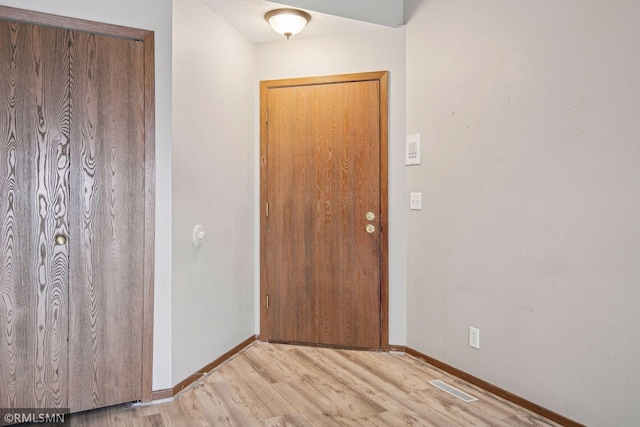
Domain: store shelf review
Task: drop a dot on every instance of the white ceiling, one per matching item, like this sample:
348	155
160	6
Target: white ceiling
247	16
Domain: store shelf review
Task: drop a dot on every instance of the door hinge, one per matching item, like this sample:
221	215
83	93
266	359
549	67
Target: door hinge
267	302
267	209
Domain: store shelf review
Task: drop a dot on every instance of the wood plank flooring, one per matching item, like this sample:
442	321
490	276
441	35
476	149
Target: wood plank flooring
275	385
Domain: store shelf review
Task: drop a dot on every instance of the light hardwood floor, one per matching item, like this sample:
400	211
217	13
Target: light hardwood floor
276	385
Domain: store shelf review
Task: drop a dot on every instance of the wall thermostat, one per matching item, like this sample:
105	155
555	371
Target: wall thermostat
413	149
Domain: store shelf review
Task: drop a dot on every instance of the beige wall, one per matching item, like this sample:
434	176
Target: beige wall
383	12
152	15
530	228
529	114
213	185
371	51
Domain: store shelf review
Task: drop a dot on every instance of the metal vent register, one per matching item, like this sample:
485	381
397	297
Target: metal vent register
453	391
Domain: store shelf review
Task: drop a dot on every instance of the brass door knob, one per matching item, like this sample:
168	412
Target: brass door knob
371	216
60	239
371	229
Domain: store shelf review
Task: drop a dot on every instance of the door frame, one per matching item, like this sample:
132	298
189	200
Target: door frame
383	78
147	38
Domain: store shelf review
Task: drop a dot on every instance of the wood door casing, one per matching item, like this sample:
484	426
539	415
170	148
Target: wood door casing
107	221
34	199
323	156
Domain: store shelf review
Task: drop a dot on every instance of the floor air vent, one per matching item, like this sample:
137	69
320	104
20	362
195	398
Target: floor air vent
453	391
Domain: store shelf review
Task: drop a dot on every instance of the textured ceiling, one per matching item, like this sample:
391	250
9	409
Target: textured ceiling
247	16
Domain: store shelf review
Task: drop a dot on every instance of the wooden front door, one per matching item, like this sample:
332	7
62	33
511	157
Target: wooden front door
73	200
324	222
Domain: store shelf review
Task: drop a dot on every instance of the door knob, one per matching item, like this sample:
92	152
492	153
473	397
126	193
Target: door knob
371	228
60	239
371	216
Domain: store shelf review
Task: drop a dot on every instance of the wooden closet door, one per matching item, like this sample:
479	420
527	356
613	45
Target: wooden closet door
76	209
107	221
34	200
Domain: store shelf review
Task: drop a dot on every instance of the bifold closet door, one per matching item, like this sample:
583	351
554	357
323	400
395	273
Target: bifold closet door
72	211
106	221
34	201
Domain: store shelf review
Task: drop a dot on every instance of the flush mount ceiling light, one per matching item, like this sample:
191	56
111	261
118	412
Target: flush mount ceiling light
287	22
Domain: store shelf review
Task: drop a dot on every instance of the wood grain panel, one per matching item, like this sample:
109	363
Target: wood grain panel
323	268
31	109
106	283
149	213
34	198
384	210
147	37
50	20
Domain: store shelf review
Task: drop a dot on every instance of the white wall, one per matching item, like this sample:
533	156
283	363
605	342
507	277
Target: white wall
213	185
372	51
529	114
383	12
152	15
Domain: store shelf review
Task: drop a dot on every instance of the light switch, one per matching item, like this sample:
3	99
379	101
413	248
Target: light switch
415	201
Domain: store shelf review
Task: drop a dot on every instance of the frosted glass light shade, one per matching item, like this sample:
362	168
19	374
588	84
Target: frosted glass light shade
287	22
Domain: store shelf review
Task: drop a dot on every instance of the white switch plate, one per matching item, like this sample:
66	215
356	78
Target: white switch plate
413	150
415	201
474	337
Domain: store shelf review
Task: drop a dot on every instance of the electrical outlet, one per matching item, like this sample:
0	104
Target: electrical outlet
474	337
